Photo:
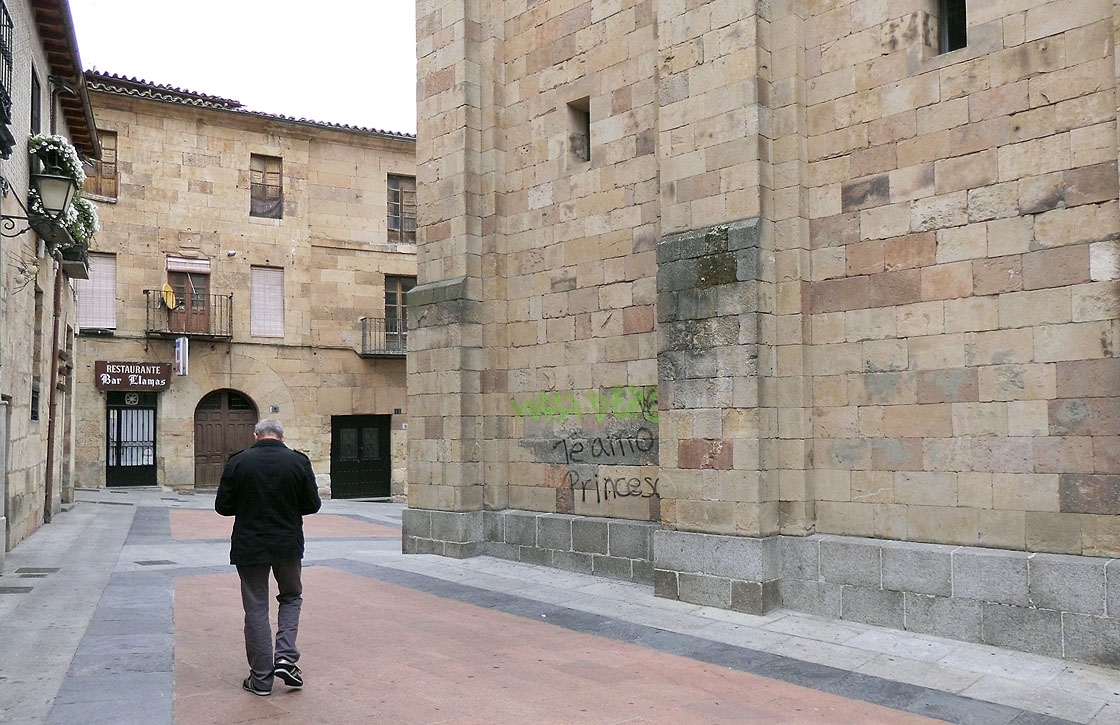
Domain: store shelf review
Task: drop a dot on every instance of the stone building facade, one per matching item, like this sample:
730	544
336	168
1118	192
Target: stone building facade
42	91
249	266
801	304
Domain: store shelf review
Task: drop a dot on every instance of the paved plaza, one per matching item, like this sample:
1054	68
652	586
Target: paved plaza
125	610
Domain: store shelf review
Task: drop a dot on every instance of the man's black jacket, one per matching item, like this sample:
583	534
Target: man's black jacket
268	488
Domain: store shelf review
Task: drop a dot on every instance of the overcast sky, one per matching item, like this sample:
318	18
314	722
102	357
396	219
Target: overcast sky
340	61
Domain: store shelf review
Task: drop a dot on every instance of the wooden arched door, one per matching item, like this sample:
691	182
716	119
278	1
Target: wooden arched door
223	425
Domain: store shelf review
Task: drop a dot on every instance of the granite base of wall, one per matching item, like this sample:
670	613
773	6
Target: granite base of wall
1050	604
447	533
612	548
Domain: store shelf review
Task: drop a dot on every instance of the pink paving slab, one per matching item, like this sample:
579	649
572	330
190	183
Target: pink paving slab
203	524
377	652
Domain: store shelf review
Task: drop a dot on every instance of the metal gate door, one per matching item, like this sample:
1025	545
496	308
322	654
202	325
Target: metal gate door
223	425
361	462
130	432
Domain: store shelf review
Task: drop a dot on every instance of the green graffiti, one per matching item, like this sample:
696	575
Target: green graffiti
625	402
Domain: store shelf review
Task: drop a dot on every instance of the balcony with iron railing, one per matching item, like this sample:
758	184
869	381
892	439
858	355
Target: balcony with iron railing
384	337
201	316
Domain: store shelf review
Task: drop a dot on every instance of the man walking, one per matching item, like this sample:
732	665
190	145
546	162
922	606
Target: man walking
269	488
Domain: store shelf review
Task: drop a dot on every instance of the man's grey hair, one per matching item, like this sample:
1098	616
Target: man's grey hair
269	428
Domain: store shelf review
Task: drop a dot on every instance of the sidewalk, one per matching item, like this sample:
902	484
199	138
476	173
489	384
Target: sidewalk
125	610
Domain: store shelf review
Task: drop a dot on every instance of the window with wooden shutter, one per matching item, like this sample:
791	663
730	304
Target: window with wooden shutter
103	180
266	302
401	202
97	296
266	193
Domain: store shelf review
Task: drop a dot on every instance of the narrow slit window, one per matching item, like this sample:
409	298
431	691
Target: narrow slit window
579	129
953	25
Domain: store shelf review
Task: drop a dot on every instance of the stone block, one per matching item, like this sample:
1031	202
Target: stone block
589	535
521	528
493	526
801	557
708	591
873	606
1056	267
1089	494
665	584
1068	583
612	567
1023	628
500	550
755	597
1088	378
734	557
414	545
630	539
461	550
991	575
554	531
918	568
642	571
573	561
822	599
851	561
534	555
416	523
457	527
1092	639
944	616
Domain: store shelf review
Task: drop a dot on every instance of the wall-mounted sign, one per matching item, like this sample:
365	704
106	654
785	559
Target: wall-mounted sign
112	375
182	356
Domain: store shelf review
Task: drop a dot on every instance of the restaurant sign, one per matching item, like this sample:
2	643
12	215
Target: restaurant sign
112	375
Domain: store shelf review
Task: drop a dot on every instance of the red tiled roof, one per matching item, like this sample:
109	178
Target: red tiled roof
139	88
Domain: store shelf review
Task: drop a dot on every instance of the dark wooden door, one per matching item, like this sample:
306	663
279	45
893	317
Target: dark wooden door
223	425
361	462
130	434
192	295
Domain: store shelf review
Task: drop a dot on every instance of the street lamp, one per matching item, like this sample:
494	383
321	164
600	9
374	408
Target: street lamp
55	191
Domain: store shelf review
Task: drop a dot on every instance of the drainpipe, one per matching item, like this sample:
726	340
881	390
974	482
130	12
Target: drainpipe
51	427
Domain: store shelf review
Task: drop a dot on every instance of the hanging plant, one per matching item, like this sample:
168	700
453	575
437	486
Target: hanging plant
56	152
81	220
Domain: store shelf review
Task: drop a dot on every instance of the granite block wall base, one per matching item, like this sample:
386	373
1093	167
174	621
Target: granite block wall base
1051	604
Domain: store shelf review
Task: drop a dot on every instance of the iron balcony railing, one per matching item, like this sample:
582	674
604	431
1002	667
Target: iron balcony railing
205	316
384	337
